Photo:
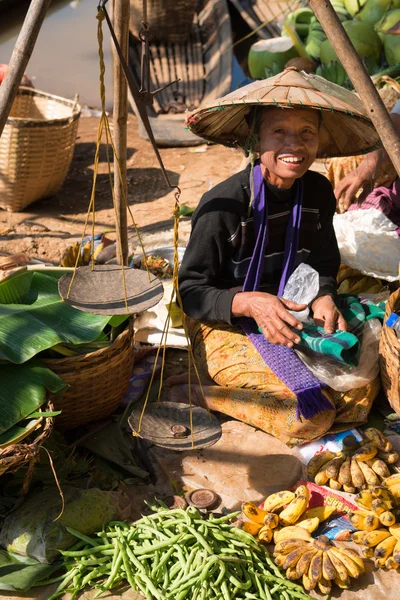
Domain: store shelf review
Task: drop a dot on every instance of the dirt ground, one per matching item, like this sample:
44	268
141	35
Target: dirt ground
46	228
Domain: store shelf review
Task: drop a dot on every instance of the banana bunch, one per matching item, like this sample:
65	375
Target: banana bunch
318	562
333	71
379	534
357	466
281	511
393	485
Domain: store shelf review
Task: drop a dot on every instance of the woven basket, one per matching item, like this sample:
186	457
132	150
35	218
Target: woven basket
389	357
97	382
36	147
169	21
26	453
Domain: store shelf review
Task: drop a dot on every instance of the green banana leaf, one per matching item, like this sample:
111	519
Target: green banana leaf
43	321
23	390
16	575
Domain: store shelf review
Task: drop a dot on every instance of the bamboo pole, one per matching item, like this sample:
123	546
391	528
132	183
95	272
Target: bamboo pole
20	56
361	80
121	11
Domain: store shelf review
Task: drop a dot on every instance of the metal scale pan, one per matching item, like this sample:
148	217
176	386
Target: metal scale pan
168	425
101	291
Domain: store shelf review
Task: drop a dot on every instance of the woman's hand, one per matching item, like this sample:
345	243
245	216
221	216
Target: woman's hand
271	315
362	177
327	315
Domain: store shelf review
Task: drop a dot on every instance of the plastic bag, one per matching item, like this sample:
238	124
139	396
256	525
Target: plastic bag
31	530
302	287
340	377
368	241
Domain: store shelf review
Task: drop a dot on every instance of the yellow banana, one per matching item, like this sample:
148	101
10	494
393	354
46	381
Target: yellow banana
277	500
253	513
317	461
392	480
367	552
375	437
385	548
391	563
396	552
334	484
296	508
387	518
349	489
385	495
356	474
342	583
359	536
373	538
304	561
395	490
389	447
292	574
353	556
286	546
320	512
364	521
292	558
321	477
308	584
324	586
291	533
341	571
395	530
279	559
309	524
328	570
272	520
251	528
379	467
370	476
315	568
344	476
378	506
364	499
332	467
353	569
389	457
265	535
365	452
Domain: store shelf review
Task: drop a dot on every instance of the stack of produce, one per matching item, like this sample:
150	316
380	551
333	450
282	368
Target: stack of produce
376	522
366	22
176	554
358	465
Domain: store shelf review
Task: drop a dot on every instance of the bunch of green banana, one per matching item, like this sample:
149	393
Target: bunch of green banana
318	562
316	35
333	71
300	20
357	466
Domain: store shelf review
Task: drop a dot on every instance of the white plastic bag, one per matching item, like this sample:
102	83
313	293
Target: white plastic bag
302	287
342	378
368	241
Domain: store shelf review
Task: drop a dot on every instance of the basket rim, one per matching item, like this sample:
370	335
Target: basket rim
23	121
70	360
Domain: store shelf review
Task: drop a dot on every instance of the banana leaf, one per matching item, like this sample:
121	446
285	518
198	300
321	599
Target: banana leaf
43	321
16	575
23	391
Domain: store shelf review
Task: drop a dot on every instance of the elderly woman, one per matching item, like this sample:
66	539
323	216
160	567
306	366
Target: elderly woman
249	233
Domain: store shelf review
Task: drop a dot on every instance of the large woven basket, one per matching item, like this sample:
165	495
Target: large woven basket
169	21
36	147
389	357
97	382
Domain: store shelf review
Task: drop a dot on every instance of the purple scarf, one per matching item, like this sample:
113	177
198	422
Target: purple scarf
280	359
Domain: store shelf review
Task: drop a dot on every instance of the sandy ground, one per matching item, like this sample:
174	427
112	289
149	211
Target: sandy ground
47	227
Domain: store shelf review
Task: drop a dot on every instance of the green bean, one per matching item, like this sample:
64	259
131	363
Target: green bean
94	575
81	536
87	551
150	586
114	570
127	565
159	546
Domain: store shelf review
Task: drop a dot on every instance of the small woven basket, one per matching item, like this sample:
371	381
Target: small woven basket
26	453
36	147
169	21
97	382
389	357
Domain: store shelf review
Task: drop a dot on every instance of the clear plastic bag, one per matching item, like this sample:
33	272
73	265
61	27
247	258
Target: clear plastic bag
302	287
342	378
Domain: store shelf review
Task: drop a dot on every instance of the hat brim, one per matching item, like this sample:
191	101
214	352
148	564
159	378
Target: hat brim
346	129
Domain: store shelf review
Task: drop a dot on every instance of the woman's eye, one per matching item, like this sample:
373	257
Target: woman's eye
278	131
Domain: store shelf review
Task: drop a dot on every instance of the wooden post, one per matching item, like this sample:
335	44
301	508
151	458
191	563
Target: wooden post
361	80
121	11
20	56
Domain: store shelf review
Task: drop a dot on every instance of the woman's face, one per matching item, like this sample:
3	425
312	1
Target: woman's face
289	141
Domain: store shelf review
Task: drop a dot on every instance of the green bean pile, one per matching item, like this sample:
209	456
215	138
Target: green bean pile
175	554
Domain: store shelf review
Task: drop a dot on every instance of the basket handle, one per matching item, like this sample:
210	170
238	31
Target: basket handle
75	106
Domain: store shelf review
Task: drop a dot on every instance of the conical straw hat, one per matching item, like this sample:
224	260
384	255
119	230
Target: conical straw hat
345	130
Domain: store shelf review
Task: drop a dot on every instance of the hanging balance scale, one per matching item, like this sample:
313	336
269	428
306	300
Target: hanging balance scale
118	290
